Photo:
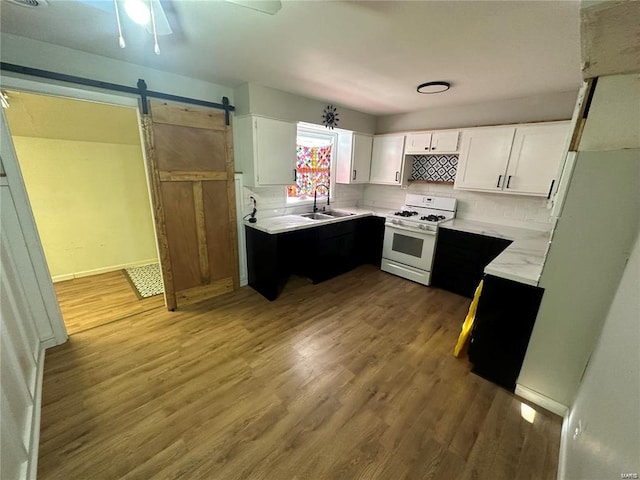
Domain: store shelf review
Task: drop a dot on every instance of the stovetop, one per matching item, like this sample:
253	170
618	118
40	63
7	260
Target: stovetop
424	212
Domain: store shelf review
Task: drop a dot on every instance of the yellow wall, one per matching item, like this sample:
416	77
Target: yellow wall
91	204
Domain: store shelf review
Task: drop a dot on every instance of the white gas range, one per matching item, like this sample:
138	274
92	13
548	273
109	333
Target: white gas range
410	236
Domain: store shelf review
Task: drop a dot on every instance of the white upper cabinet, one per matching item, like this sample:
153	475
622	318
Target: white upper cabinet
353	158
521	159
387	160
265	150
423	143
535	157
484	154
417	143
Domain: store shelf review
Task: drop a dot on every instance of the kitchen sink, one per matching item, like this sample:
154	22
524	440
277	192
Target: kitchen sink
337	214
316	216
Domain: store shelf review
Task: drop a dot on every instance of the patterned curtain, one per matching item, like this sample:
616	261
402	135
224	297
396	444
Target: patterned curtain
313	168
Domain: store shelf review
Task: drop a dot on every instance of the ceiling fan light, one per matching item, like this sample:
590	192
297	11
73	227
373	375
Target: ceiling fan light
137	11
433	87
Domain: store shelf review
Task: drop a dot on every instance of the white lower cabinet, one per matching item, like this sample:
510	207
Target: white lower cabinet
520	160
353	158
387	160
265	150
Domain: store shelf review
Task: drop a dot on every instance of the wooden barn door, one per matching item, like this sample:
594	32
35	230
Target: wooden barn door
190	157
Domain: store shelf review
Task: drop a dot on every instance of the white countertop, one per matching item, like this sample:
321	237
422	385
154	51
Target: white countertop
290	223
521	261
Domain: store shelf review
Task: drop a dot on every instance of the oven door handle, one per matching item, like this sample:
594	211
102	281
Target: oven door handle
407	229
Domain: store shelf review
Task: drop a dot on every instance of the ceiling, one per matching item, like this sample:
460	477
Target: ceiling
367	55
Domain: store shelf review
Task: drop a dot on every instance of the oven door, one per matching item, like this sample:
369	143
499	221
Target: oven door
409	247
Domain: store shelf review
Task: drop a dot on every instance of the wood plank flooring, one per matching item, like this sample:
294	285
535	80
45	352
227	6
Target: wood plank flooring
353	378
89	302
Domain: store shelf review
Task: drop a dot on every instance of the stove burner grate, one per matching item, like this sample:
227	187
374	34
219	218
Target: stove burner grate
433	218
406	213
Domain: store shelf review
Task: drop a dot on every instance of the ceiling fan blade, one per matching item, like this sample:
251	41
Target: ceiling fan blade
265	6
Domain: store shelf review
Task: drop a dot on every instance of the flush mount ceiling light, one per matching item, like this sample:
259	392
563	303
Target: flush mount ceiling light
433	87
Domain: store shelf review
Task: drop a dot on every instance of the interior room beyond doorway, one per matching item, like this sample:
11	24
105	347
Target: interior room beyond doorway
84	172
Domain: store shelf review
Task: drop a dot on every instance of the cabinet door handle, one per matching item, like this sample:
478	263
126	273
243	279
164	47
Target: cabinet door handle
499	178
355	173
397	175
551	189
433	148
295	175
508	180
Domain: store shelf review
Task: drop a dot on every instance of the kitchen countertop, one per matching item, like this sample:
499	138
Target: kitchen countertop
292	222
522	260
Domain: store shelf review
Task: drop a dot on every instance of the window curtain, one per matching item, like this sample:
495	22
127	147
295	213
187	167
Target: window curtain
312	169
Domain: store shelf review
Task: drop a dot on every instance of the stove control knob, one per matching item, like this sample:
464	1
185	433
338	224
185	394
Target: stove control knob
395	222
422	227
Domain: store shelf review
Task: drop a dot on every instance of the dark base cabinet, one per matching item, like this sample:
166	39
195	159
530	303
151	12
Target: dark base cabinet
460	258
504	320
319	253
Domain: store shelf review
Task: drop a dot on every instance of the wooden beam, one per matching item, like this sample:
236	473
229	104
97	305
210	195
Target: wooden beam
610	38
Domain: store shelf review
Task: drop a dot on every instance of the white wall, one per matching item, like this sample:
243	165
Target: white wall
30	321
270	102
539	108
32	53
586	257
513	210
606	411
91	204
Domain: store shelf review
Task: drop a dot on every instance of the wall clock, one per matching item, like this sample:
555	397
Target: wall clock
330	117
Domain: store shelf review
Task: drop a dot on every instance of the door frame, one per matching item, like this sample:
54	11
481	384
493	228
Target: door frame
18	189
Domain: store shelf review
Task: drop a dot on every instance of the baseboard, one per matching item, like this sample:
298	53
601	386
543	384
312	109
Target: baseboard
98	271
34	442
49	342
542	401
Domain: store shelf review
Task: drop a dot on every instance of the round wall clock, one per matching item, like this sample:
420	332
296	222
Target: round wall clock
330	117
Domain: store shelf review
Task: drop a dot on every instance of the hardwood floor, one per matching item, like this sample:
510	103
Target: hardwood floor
353	378
89	302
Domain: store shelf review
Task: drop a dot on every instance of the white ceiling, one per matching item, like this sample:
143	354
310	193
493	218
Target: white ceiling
368	55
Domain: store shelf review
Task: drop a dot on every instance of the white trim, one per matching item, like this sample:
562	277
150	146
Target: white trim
542	401
98	271
30	232
42	86
242	242
34	443
564	444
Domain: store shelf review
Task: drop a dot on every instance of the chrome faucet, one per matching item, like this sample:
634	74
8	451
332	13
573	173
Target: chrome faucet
315	208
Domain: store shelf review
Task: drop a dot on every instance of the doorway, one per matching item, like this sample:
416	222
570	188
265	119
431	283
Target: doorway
84	171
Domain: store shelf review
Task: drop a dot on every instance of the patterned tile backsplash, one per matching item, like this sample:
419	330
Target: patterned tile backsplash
434	168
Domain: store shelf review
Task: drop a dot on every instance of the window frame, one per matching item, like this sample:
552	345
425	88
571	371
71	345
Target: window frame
313	131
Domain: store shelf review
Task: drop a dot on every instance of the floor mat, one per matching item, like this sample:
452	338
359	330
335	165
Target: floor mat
146	280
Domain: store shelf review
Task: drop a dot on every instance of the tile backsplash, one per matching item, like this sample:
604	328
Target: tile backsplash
514	210
434	168
272	201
